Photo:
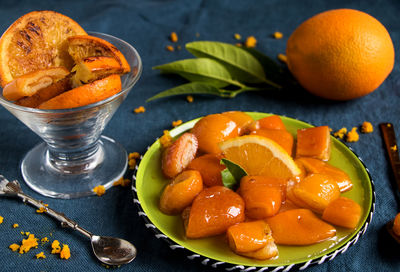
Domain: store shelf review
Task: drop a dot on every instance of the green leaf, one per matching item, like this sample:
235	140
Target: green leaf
241	64
189	88
232	174
271	68
201	69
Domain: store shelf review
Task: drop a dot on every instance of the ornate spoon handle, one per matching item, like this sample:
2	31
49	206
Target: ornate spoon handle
12	188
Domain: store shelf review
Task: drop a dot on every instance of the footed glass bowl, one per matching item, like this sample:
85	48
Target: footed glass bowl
74	157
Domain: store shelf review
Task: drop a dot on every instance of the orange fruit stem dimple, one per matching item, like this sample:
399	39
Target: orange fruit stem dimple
85	94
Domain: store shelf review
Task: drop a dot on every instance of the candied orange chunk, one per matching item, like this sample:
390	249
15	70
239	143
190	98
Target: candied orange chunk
248	236
396	224
299	227
314	142
281	137
312	166
343	212
209	167
213	129
181	192
177	156
261	196
269	122
213	211
317	191
242	119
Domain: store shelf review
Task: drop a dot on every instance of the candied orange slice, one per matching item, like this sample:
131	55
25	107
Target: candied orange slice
37	40
213	211
93	68
313	166
83	46
213	129
299	227
29	84
242	119
179	193
269	122
209	167
316	191
85	94
252	239
343	212
396	224
260	156
177	156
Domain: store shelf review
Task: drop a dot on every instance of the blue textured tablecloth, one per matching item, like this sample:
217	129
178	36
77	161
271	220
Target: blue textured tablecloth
146	25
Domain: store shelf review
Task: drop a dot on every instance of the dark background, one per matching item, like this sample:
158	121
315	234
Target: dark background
146	25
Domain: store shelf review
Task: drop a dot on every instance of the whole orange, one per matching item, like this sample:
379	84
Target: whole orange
340	54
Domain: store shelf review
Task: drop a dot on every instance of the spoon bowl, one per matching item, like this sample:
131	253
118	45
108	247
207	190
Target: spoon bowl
113	251
108	250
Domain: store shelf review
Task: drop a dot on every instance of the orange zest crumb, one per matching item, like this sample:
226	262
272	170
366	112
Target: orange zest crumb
282	58
15	226
14	247
140	109
394	147
189	98
99	190
42	209
170	48
1	219
176	123
134	155
27	244
237	36
44	240
40	255
238	44
173	37
65	252
278	35
352	136
340	133
166	139
367	127
55	247
122	182
250	42
132	163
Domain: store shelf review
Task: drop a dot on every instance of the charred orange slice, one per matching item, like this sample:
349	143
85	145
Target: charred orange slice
85	94
93	68
83	46
37	40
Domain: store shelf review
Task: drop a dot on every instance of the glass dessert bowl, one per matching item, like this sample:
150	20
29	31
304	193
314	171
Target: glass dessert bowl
74	157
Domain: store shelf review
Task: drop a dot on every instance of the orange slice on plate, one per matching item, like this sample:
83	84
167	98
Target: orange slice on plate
260	156
37	40
29	84
86	94
83	46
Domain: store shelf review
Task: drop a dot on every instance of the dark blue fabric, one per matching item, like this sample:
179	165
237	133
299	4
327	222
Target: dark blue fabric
146	25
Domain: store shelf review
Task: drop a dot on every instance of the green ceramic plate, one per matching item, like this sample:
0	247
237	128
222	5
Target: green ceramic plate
215	251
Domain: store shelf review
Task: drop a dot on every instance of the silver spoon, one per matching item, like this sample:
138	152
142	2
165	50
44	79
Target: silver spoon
109	250
389	138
